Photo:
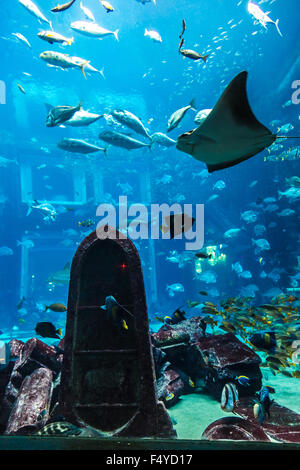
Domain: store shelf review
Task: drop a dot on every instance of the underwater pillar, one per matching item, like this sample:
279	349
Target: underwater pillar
145	185
107	378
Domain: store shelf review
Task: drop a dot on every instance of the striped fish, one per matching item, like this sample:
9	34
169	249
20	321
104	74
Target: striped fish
229	397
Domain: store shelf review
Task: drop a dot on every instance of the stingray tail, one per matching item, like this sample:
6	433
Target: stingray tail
287	136
277	27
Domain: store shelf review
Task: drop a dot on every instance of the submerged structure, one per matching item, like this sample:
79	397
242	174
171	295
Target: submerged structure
161	138
108	379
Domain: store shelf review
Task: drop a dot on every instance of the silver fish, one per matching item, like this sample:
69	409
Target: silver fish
178	115
83	118
162	139
22	39
52	37
130	120
33	9
79	146
93	29
60	114
121	140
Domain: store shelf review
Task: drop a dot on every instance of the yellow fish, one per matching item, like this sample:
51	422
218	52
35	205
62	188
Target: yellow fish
170	396
21	88
108	7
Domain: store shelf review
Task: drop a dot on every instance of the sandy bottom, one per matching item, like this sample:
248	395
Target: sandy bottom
193	413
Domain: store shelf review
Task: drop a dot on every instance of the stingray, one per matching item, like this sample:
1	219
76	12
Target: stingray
230	134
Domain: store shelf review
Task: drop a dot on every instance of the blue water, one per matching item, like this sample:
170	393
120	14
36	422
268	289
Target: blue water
152	81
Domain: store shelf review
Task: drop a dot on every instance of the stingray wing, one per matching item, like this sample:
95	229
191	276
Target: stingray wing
231	133
232	115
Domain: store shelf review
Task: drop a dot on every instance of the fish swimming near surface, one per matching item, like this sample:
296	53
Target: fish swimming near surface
261	16
190	53
63	7
48	330
90	29
79	146
178	115
107	6
61	114
128	119
34	10
122	140
146	1
89	15
154	35
230	134
22	39
52	37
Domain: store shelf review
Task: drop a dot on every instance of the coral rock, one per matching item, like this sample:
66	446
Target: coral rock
34	397
16	347
282	425
234	429
169	387
36	354
226	358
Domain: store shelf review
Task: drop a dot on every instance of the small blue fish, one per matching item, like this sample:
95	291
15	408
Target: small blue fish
243	380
